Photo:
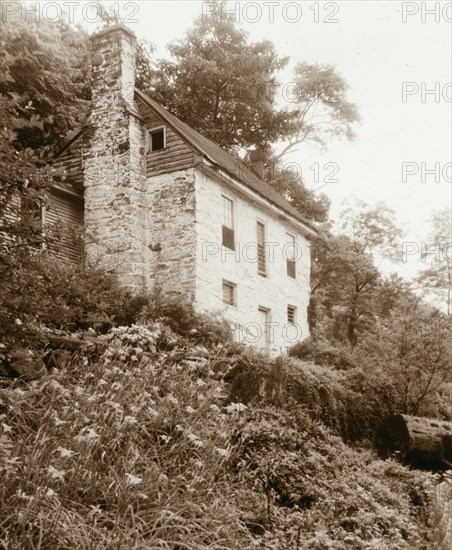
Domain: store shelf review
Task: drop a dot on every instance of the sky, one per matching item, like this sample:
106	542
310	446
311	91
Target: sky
396	59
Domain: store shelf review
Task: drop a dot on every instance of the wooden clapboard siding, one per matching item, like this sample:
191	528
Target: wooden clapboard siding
11	212
63	219
69	164
177	155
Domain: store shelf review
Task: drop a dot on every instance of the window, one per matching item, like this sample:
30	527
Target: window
229	293
264	325
228	223
290	256
261	257
157	139
291	314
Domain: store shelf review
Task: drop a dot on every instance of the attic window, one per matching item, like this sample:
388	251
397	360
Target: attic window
157	139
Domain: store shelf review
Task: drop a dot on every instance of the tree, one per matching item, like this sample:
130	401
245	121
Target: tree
344	271
222	85
226	88
320	108
43	95
436	278
48	74
314	206
414	346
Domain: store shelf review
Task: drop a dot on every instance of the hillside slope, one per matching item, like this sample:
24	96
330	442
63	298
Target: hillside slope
137	443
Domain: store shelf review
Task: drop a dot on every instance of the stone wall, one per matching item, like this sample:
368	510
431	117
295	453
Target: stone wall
114	164
172	232
215	263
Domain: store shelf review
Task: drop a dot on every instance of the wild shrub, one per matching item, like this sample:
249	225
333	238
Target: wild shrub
351	403
305	503
206	329
37	290
322	352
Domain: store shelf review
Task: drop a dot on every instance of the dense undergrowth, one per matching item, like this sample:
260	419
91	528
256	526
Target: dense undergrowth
136	444
165	434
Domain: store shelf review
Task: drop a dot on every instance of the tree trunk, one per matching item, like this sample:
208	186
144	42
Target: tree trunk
421	442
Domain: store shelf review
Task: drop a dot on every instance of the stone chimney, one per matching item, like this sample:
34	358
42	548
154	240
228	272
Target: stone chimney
114	163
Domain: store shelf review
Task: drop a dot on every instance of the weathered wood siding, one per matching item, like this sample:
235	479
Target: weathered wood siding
70	163
63	217
177	155
63	220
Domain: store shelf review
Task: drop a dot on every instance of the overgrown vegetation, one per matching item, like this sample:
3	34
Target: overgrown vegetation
140	443
161	432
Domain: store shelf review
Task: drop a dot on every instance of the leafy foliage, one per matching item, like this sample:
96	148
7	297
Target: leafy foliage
142	448
321	108
221	85
436	278
345	274
314	206
46	78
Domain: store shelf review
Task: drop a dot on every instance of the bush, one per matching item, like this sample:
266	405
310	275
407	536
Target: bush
305	502
322	352
37	291
201	328
139	449
351	403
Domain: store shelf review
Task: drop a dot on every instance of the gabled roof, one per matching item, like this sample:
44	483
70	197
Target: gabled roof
224	160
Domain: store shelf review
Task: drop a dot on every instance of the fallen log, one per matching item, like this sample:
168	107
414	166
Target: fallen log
420	442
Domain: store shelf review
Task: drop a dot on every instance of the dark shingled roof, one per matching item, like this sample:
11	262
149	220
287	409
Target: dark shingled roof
233	166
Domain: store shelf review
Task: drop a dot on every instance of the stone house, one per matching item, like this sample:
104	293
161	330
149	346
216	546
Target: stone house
162	204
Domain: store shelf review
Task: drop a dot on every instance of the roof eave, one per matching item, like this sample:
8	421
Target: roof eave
284	215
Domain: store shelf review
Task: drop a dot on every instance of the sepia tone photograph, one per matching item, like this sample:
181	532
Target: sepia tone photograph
225	275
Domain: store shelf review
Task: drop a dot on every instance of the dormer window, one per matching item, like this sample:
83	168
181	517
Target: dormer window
157	139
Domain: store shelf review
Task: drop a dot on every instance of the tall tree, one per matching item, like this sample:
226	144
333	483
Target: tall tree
222	85
436	278
227	88
48	68
413	345
319	107
43	95
345	274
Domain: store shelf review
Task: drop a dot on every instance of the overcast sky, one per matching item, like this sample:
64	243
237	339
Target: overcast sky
377	47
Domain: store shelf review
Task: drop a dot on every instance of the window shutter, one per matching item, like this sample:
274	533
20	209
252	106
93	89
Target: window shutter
261	259
228	223
228	238
291	270
229	293
291	263
291	314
